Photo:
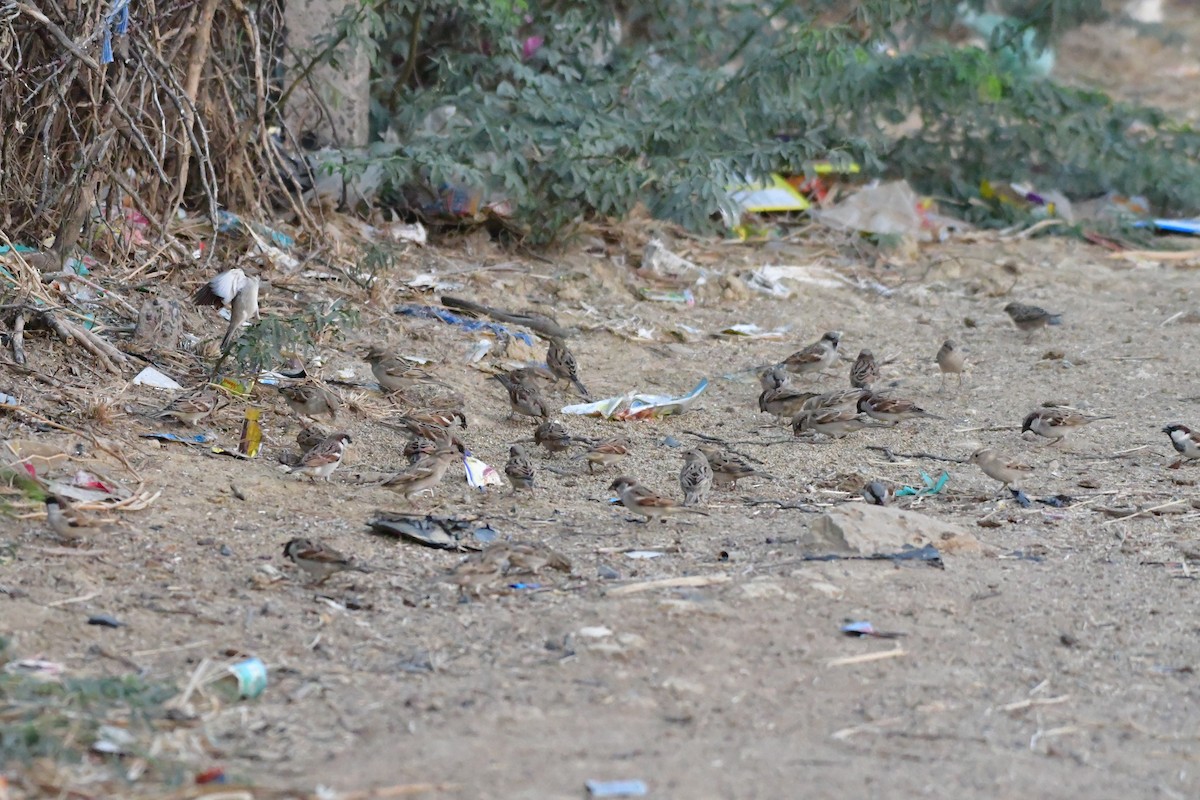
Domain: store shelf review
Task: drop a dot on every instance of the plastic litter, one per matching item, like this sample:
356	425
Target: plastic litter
444	533
771	279
227	222
748	330
928	554
931	487
251	677
660	261
8	400
644	554
105	621
627	788
890	209
466	323
251	438
684	296
638	406
198	438
863	628
155	379
480	475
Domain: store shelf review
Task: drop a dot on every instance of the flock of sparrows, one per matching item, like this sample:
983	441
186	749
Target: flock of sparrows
433	446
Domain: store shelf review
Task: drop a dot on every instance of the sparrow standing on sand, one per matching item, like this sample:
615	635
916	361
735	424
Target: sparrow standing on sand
816	356
519	468
1185	441
891	410
524	398
237	291
606	453
728	468
322	460
834	423
317	560
425	474
554	437
1055	423
950	359
783	401
310	399
1030	318
696	477
864	371
640	500
997	468
191	408
394	373
562	363
310	436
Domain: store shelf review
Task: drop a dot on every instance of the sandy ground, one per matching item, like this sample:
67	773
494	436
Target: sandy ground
1060	664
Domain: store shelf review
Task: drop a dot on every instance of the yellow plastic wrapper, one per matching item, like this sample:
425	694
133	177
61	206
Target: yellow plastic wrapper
251	439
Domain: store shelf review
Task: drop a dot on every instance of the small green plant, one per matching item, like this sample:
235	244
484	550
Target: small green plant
265	343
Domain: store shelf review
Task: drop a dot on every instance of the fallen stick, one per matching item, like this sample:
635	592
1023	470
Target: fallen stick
866	658
891	455
687	581
1150	510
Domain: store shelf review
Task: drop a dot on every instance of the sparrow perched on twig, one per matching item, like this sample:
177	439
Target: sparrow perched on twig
425	474
562	363
319	561
395	373
891	410
191	408
835	422
519	468
310	399
696	477
1055	423
322	460
236	290
864	371
998	468
816	357
1185	441
950	359
729	468
524	398
606	453
555	438
1030	318
640	500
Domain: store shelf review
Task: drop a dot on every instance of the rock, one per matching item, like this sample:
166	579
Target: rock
866	530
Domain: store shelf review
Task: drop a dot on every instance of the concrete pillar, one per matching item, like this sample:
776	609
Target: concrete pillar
333	105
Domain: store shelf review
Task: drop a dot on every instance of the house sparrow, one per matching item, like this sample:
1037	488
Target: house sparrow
835	422
877	493
554	437
864	371
696	477
310	436
237	291
191	408
997	468
950	359
891	410
640	500
319	561
829	401
606	453
524	398
561	362
442	418
783	401
525	558
728	468
815	357
322	460
773	377
310	399
64	528
1185	441
395	373
1029	318
519	468
1055	423
425	474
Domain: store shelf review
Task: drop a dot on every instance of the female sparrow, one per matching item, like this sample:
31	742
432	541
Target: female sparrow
1029	318
1055	423
394	373
783	401
322	460
891	410
554	437
441	418
998	468
950	359
1185	441
425	474
310	436
835	423
640	500
237	290
606	453
696	477
192	408
816	357
319	561
519	468
837	399
310	399
524	398
562	363
728	468
864	371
